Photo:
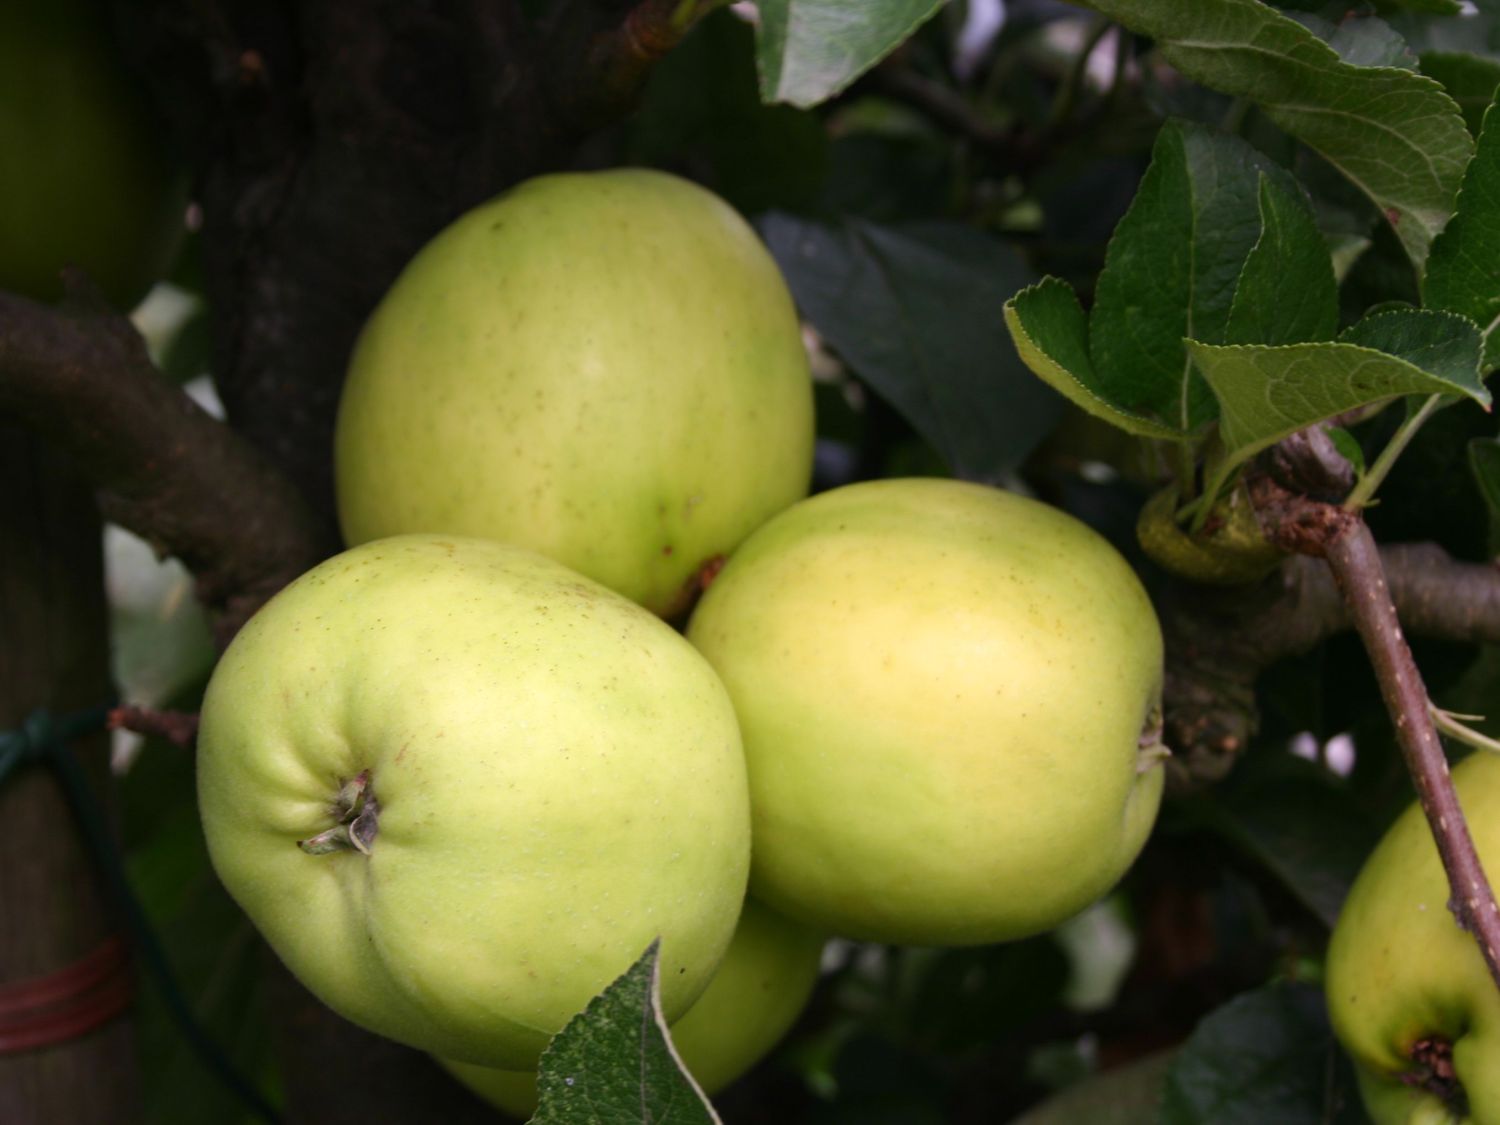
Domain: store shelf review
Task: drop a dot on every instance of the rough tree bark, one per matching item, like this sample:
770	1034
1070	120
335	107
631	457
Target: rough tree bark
54	654
1220	640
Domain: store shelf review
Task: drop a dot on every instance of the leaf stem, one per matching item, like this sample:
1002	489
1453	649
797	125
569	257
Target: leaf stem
1447	723
1364	490
1211	489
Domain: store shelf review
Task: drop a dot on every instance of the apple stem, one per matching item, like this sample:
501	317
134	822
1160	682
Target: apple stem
358	815
1150	749
1339	535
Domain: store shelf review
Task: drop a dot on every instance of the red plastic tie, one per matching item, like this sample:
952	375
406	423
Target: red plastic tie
59	1006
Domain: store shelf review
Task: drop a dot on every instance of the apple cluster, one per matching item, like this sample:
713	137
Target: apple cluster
463	773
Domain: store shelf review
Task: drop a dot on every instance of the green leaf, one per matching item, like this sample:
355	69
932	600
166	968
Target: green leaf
809	50
1267	393
1050	330
1292	819
1360	40
1436	7
911	309
1267	1055
1484	459
1392	132
1126	1095
1005	988
1287	293
1463	272
614	1062
1469	79
1349	448
1441	343
1171	268
701	109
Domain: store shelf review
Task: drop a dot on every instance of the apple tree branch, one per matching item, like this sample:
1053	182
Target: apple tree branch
1340	537
80	377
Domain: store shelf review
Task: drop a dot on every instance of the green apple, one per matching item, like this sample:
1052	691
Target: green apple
604	367
1408	991
505	781
949	697
86	178
759	991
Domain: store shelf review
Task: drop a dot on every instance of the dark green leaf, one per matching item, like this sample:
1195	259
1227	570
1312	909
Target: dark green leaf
811	49
1441	343
1469	79
614	1062
1050	330
1484	458
1126	1095
1300	826
1463	273
913	311
1286	293
1392	132
1171	269
1360	40
962	999
190	351
702	109
1434	7
1267	1055
1266	393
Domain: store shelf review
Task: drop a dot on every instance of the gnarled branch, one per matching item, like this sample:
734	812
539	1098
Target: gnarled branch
80	377
1219	641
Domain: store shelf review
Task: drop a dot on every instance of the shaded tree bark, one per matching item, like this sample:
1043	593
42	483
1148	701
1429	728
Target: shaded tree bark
1220	640
54	655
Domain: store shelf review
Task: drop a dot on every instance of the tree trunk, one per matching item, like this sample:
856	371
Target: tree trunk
54	654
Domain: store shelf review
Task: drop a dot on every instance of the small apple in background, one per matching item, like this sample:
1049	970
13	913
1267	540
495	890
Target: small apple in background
948	696
505	779
1408	991
86	177
605	367
761	988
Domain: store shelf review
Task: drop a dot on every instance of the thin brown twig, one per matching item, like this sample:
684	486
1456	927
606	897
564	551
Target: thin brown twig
946	107
178	727
1354	560
1220	640
1342	539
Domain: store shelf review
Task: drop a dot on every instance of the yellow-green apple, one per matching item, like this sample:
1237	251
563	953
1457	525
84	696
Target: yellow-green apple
1408	992
605	367
949	697
459	788
86	178
759	991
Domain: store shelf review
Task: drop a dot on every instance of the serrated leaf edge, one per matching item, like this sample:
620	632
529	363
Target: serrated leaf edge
769	97
1482	397
1423	311
1073	388
653	1005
